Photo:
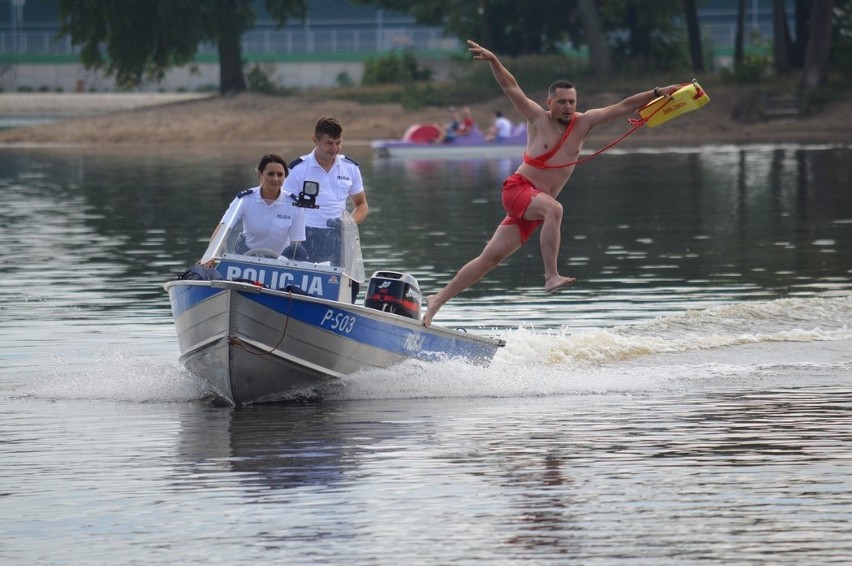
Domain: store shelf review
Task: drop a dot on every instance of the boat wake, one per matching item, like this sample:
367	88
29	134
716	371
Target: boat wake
783	340
117	376
787	341
783	320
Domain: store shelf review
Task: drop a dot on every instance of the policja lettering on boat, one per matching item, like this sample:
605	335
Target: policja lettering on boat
310	284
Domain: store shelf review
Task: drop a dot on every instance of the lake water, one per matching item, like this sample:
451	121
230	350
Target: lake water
689	400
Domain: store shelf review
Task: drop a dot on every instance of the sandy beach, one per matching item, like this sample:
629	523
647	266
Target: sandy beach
175	118
85	103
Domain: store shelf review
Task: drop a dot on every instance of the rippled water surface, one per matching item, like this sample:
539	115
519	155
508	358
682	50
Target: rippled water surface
689	400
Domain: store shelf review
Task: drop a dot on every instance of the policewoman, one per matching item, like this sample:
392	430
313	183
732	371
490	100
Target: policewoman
270	221
339	179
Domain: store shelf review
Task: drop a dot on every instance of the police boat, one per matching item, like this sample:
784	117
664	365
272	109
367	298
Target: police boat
264	326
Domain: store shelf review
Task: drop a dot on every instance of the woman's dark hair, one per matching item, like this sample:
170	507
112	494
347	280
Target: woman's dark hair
272	158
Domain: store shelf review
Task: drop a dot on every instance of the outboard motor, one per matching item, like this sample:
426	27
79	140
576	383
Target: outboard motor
394	292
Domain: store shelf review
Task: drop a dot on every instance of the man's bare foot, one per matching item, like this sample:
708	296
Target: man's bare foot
431	309
557	283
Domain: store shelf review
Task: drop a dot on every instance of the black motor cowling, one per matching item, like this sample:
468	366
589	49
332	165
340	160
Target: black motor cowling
394	292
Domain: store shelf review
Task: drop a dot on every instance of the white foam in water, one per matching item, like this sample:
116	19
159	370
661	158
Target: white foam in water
670	353
118	376
507	377
722	344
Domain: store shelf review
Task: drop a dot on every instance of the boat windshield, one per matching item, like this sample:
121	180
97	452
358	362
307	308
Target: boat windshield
230	241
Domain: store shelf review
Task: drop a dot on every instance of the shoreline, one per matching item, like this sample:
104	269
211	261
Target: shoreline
75	104
130	119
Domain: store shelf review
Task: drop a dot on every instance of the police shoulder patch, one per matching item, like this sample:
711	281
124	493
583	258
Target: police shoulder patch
295	162
244	193
349	159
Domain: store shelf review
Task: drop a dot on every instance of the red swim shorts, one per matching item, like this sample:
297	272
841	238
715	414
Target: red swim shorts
518	193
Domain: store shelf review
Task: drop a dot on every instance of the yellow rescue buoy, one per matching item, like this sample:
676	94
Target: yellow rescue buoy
661	110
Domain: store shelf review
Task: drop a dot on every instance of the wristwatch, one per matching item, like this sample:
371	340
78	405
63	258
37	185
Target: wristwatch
657	91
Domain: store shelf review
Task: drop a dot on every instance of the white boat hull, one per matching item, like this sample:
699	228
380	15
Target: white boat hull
256	345
470	146
385	148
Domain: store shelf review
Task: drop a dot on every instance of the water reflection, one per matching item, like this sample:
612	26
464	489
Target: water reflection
286	447
657	230
718	223
726	458
547	476
719	434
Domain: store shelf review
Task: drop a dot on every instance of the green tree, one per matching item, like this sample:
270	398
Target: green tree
139	40
507	27
693	33
599	55
394	67
818	51
801	21
739	38
645	34
842	54
782	44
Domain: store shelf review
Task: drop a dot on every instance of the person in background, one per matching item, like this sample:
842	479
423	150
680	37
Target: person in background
554	139
339	179
501	129
270	221
467	124
457	126
451	130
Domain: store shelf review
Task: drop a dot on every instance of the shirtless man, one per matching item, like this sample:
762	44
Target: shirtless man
555	136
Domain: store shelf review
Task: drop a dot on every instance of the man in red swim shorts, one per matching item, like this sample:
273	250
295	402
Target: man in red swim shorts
555	136
518	193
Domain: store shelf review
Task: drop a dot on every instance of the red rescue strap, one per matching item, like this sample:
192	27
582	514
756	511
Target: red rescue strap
635	122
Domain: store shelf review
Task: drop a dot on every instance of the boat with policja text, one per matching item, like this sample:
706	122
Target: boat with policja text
263	326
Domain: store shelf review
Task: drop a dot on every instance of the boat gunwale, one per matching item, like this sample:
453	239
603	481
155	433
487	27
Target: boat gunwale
241	286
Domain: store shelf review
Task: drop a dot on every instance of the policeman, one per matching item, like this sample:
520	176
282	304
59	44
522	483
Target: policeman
339	179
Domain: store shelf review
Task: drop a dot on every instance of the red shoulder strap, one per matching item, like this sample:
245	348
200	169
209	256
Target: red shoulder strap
541	161
635	123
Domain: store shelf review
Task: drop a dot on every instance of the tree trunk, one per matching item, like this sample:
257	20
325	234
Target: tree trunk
739	39
780	38
484	15
640	36
596	40
693	31
815	71
803	17
231	77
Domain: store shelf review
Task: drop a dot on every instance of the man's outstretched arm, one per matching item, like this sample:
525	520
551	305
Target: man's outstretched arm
629	105
525	107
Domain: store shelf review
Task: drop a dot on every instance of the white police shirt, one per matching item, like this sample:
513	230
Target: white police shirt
271	226
342	181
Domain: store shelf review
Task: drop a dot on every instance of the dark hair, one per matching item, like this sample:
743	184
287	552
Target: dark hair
559	84
272	158
330	126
